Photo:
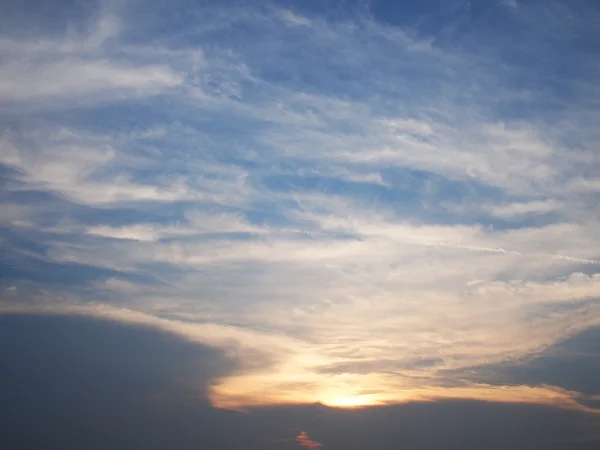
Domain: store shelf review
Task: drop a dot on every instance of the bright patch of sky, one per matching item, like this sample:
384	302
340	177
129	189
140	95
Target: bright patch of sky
372	196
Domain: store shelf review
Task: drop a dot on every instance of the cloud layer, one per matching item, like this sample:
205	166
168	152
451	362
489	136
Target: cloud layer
106	384
367	204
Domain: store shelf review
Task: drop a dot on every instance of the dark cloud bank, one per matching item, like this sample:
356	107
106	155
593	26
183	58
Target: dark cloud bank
573	364
74	383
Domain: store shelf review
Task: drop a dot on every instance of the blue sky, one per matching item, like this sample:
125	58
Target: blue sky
374	196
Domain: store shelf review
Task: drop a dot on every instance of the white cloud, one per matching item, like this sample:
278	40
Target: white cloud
73	78
78	69
87	169
134	232
197	223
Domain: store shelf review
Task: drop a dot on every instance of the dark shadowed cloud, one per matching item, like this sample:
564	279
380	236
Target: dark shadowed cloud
73	382
455	425
572	364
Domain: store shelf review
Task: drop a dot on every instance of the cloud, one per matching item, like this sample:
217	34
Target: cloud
135	232
570	364
356	198
106	383
113	383
520	209
29	81
383	365
197	224
77	69
435	424
87	168
304	441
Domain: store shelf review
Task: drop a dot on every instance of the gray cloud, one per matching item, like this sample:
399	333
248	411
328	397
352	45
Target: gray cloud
572	364
71	382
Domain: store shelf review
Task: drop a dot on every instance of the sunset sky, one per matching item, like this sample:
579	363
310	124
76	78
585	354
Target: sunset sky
300	224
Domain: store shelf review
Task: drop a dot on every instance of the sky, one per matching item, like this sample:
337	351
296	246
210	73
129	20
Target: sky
323	224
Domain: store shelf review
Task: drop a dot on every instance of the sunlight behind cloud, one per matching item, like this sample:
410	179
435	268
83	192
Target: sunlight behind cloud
351	401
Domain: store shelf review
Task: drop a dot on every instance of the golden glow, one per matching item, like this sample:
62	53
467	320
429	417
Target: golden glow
298	377
247	392
351	401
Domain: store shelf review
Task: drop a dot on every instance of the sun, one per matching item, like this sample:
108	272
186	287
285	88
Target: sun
350	401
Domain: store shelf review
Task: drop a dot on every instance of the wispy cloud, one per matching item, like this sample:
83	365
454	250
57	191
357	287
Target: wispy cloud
30	81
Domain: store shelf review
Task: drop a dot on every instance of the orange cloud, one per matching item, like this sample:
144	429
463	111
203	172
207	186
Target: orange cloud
304	441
